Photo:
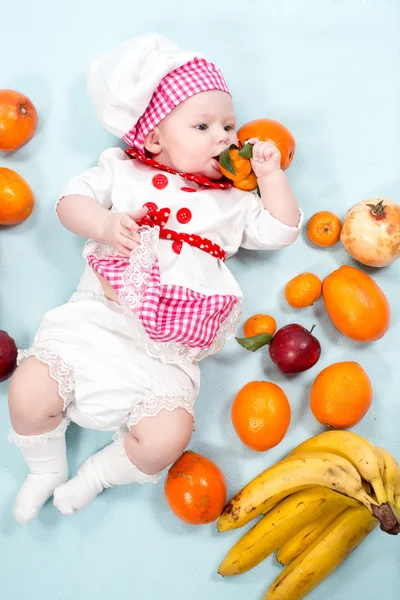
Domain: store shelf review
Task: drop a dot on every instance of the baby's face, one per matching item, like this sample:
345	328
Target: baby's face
193	135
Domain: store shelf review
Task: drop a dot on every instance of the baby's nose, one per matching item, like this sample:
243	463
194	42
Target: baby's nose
223	137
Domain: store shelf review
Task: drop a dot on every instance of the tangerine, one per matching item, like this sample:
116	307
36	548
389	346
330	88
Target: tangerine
241	166
303	290
246	184
18	120
195	489
323	229
16	198
261	415
259	323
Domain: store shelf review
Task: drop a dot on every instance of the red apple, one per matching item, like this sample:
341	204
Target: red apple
8	355
293	348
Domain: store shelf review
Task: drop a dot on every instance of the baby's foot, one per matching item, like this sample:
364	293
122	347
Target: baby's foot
79	491
35	491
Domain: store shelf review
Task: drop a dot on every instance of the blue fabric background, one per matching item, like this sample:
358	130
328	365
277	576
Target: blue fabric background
329	71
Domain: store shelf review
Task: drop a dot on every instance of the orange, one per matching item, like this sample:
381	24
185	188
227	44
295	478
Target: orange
261	415
273	131
16	198
323	229
303	290
18	120
195	489
356	304
341	395
259	324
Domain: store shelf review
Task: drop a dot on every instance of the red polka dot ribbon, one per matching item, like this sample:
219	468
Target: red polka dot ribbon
160	217
221	184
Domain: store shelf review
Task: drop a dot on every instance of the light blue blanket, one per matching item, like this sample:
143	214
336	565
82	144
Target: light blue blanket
329	70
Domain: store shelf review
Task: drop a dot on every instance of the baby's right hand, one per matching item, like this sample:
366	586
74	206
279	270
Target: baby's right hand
120	230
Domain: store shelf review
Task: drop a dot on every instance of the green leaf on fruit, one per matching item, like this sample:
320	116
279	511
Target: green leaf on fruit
226	162
246	151
255	342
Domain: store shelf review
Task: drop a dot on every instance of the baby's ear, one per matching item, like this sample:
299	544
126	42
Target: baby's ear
152	141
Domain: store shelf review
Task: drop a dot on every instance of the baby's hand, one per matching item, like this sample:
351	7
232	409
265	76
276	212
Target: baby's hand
266	158
120	230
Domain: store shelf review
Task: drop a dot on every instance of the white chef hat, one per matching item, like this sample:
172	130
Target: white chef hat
135	86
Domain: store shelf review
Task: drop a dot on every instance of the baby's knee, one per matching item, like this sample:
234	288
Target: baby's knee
163	439
32	393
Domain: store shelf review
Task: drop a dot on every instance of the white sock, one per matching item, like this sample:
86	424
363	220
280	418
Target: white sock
46	458
106	468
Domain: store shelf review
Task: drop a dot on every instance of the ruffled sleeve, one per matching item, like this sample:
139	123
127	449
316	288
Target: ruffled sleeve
96	182
262	231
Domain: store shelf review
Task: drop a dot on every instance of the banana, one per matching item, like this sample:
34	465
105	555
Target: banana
391	474
318	468
286	519
397	497
353	448
300	541
367	488
396	507
397	489
381	462
323	556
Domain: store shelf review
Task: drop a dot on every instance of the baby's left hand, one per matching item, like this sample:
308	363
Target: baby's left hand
266	158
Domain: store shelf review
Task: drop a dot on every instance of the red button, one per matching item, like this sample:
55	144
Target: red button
184	215
187	189
160	181
177	247
151	205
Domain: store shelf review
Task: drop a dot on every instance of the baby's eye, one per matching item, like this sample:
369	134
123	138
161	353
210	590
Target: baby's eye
202	126
228	127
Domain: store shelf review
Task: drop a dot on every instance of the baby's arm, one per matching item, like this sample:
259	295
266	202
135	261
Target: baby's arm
276	194
84	216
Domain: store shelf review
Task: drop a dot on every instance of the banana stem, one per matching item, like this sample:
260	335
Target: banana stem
396	511
383	512
386	517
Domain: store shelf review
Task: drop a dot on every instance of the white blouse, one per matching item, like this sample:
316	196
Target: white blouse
229	217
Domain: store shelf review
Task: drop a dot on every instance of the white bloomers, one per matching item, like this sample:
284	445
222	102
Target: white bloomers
105	377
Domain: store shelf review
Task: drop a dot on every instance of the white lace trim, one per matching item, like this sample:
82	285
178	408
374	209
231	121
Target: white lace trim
62	373
153	405
23	441
141	261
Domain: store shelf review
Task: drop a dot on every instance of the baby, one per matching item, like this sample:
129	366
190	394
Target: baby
156	295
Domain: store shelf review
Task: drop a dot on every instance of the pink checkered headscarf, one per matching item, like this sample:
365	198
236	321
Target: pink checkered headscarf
197	75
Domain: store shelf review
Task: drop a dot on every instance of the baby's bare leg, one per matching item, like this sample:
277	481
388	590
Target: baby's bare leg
33	400
39	432
150	446
156	442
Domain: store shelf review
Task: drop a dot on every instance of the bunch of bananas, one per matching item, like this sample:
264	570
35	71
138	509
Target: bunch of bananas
318	505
